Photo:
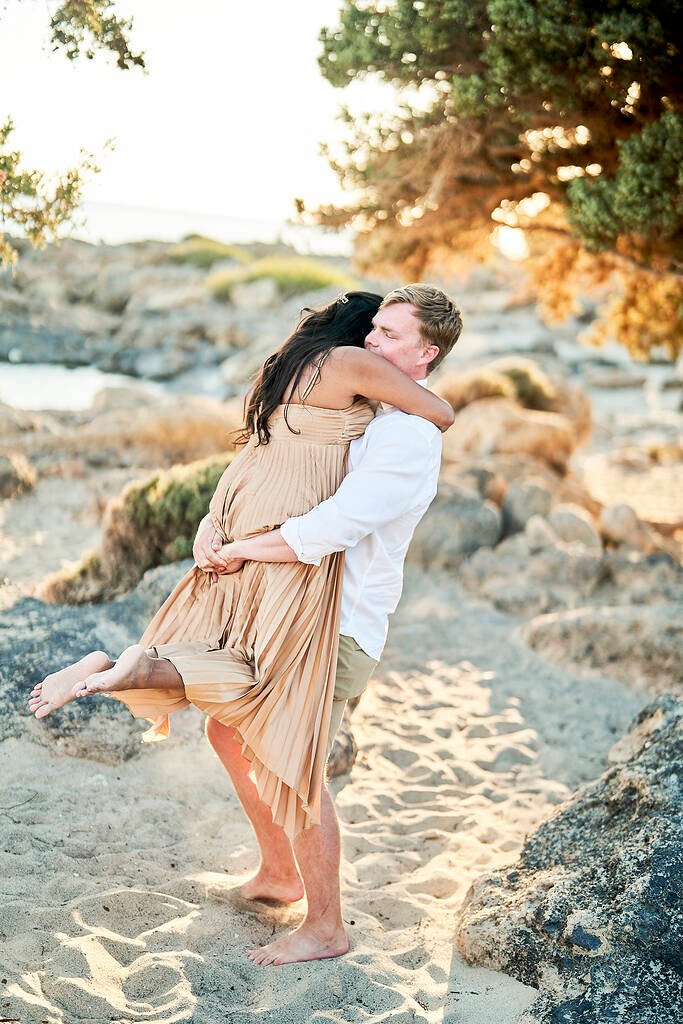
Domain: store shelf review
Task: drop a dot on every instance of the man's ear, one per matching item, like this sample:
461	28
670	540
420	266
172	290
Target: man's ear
428	355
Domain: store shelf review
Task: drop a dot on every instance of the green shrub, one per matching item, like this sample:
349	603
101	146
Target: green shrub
533	387
292	274
152	522
203	252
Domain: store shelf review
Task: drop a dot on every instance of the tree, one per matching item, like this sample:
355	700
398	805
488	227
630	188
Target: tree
562	118
27	200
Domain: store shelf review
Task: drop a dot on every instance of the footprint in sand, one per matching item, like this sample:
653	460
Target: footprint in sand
124	959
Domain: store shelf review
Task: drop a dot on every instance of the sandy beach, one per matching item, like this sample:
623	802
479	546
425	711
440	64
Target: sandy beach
118	892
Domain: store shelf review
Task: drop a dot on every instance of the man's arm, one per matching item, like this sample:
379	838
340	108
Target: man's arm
388	481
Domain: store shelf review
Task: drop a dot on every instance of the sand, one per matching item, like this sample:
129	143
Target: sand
118	898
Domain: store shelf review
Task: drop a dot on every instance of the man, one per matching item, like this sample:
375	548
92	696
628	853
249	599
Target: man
392	479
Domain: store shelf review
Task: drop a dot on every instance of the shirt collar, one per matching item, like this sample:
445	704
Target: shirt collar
385	407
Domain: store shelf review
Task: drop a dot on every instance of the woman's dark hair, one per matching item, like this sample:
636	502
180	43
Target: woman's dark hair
347	320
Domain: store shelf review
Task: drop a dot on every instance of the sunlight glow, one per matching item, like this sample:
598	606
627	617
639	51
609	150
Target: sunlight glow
510	242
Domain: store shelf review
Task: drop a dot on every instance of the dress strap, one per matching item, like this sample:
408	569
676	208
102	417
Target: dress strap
314	377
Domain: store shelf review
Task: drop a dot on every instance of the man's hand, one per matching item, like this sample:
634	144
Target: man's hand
230	562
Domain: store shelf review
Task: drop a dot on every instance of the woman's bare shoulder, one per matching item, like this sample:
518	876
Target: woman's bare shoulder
345	358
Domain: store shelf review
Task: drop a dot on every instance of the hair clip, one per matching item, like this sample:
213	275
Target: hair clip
342	298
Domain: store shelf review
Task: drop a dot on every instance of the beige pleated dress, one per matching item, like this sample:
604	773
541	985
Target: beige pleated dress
257	649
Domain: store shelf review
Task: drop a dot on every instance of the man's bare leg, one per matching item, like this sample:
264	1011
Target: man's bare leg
321	934
57	689
277	877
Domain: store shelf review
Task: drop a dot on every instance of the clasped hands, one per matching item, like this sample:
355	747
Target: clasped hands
212	555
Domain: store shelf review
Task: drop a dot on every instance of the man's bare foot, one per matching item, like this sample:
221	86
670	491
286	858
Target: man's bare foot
57	689
265	887
302	944
130	670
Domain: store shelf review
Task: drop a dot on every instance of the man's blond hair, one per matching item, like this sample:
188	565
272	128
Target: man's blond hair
440	319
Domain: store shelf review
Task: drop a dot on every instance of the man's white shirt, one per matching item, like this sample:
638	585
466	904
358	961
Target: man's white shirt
392	478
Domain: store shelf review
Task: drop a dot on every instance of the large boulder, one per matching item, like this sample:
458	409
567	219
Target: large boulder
571	522
497	425
524	577
38	638
524	498
640	645
458	523
633	577
591	913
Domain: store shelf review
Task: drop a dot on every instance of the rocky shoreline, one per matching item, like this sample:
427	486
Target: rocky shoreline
555	544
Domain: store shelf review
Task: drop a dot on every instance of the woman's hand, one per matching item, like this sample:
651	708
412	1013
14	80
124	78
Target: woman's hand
206	546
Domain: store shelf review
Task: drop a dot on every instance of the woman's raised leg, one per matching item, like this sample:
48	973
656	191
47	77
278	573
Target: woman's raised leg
57	689
136	669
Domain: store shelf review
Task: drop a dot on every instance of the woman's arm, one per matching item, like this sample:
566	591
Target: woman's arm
376	378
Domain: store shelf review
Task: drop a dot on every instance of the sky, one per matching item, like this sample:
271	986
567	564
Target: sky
227	122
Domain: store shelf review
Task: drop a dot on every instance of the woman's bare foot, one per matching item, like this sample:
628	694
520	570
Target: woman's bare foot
264	887
130	671
57	689
304	943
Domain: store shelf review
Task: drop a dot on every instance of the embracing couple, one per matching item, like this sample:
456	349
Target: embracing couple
298	564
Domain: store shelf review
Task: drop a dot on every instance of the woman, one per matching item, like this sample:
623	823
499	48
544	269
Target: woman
257	649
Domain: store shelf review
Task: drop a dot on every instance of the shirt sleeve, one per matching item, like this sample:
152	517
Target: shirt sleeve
397	470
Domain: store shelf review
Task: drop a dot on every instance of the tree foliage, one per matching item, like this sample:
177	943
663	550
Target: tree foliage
560	118
28	200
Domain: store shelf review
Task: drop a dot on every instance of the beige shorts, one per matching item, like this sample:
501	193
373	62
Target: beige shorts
354	668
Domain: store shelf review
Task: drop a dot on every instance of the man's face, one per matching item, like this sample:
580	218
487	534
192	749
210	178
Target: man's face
395	336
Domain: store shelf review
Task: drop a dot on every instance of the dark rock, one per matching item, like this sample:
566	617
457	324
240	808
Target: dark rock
525	498
522	581
592	915
458	523
38	638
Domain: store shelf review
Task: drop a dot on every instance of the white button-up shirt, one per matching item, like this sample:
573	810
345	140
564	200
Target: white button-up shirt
392	479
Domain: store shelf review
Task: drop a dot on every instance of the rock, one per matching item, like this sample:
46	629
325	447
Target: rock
573	403
643	578
16	475
344	750
618	523
110	398
539	534
520	581
590	912
525	498
260	294
640	645
458	523
573	523
496	425
37	638
162	364
168	297
612	377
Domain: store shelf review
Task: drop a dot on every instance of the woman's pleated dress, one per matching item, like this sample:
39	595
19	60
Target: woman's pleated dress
257	649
